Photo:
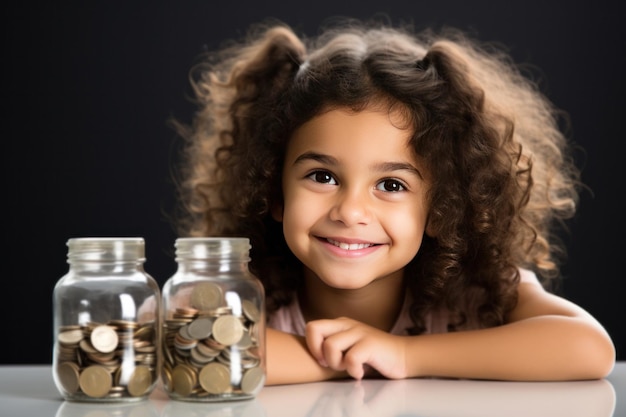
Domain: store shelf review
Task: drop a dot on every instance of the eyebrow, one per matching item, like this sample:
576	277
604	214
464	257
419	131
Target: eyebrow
318	157
382	167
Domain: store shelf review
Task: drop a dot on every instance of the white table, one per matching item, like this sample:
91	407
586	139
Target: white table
29	391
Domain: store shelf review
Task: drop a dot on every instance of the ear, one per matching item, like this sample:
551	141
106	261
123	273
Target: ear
277	211
430	230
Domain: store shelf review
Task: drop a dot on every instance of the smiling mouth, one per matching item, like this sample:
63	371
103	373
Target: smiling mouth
349	246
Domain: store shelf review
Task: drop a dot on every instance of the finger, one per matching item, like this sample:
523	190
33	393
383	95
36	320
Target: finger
335	346
357	358
316	333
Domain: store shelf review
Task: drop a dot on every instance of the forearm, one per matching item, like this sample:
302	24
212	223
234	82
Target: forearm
290	362
535	349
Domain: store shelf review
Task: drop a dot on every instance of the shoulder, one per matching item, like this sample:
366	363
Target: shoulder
288	319
528	276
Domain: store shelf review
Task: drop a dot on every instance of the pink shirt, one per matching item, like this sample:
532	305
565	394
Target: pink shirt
289	318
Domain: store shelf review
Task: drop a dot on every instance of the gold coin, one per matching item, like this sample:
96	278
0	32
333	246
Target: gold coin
167	354
140	381
95	381
227	330
68	374
250	310
146	332
183	313
207	296
253	380
124	324
166	377
215	378
104	338
183	380
70	337
86	346
206	350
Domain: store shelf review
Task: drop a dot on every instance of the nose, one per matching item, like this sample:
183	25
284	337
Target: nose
351	207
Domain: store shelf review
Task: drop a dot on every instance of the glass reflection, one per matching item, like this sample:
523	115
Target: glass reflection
441	398
382	398
244	408
94	409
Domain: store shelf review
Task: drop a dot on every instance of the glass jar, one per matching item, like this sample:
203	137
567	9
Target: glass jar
213	323
106	322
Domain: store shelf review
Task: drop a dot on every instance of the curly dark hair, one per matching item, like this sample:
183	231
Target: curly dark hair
502	175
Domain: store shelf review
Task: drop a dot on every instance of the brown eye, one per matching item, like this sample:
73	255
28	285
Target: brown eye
322	177
390	185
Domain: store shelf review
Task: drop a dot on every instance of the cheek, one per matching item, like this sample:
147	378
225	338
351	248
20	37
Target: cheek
297	216
407	226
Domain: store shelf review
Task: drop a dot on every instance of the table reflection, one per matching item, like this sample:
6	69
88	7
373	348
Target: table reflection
84	409
245	408
159	405
382	398
441	398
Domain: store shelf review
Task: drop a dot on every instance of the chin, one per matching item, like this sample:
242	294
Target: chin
347	284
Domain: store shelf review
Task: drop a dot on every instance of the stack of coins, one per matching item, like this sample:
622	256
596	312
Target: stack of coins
210	352
107	361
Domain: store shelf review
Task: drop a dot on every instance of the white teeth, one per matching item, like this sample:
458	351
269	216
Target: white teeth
349	246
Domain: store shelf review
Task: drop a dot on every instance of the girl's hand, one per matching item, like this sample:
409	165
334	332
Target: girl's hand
348	345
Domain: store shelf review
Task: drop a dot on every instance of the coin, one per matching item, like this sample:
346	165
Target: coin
86	346
104	338
200	328
95	381
250	310
138	344
215	378
146	331
206	296
140	381
214	345
184	333
183	380
68	373
197	359
166	377
253	380
227	330
124	324
245	342
206	350
185	312
70	337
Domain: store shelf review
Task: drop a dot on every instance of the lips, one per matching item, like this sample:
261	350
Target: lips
349	246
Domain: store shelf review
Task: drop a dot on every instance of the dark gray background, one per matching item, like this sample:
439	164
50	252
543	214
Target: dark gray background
88	87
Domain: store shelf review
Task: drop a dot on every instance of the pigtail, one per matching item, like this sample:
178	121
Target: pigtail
471	171
501	179
237	98
490	189
232	155
542	166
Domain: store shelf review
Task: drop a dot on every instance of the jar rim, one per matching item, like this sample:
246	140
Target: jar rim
212	247
106	249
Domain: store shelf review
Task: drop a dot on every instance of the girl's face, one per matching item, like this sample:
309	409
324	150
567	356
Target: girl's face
354	197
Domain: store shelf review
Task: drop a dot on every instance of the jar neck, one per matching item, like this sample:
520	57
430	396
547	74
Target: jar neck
213	255
105	252
99	266
212	265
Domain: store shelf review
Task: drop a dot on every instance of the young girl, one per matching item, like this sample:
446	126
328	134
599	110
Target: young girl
399	190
